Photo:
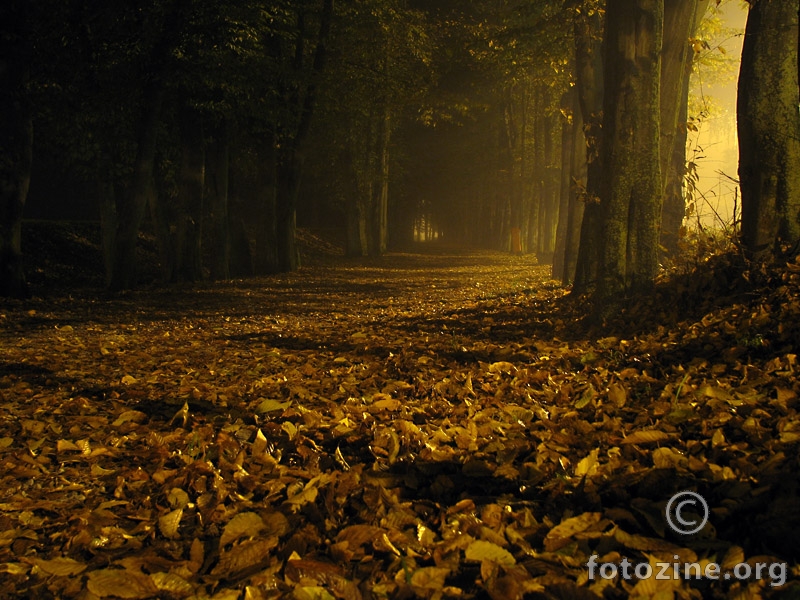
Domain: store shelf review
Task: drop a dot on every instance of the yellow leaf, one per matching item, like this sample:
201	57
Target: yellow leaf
66	446
429	578
14	568
559	536
128	380
246	523
588	464
276	524
718	439
386	404
311	592
136	416
251	554
480	550
177	498
790	437
61	566
168	524
174	585
667	458
502	367
121	583
617	395
650	436
268	405
259	444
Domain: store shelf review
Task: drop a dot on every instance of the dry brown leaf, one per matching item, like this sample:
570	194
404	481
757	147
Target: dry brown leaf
251	554
481	550
172	584
121	583
429	578
243	524
61	566
560	535
649	436
169	523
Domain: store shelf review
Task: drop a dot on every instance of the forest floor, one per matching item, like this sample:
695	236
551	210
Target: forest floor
437	425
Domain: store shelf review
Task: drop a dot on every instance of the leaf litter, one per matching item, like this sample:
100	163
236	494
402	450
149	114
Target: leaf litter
441	426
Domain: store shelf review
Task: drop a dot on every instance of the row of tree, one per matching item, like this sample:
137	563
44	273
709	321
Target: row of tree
552	127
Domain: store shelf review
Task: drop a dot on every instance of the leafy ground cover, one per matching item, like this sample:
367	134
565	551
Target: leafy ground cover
425	426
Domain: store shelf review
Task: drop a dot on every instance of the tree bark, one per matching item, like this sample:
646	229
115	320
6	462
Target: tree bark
380	224
589	76
769	128
578	173
681	18
191	187
261	210
632	191
218	158
290	159
563	193
131	207
16	143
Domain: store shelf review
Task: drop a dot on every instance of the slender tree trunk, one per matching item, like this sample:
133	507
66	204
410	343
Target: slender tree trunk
631	196
289	172
381	203
681	18
290	160
550	192
359	198
16	143
589	74
568	104
191	187
523	189
219	168
578	168
131	207
161	219
769	128
262	210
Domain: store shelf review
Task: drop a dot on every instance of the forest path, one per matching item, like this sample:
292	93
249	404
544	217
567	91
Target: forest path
420	426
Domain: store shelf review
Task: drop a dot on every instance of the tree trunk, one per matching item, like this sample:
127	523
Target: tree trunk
631	196
359	193
681	18
218	169
16	150
261	211
568	104
769	128
161	218
16	145
191	187
288	187
290	156
578	168
380	224
550	193
590	85
131	207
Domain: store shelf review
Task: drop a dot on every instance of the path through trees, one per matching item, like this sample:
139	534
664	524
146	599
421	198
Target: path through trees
425	426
